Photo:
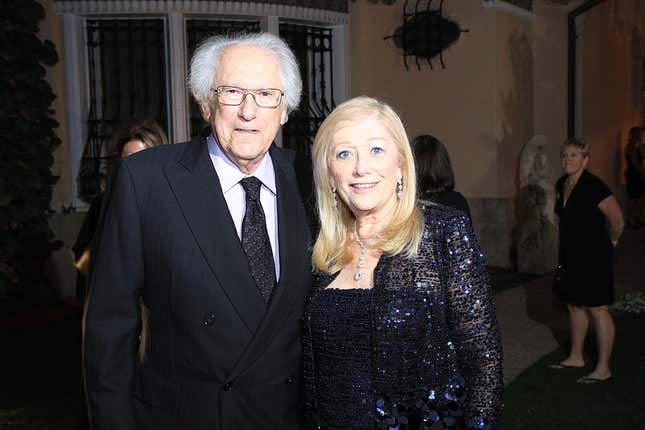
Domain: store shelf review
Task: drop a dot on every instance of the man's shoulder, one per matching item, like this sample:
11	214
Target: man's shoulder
159	154
163	152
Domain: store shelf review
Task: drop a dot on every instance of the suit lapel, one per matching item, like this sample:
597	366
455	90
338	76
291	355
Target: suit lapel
291	236
293	240
197	189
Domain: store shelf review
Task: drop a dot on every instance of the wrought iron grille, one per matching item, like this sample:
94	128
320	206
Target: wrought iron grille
198	30
313	49
127	82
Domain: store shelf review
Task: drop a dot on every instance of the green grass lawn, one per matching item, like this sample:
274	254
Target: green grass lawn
542	398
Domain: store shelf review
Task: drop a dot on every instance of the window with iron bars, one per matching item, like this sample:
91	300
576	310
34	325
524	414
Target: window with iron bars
128	81
313	48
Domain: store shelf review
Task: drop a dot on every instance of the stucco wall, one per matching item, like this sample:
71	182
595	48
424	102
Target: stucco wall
457	104
514	97
606	107
481	106
60	267
505	82
550	79
52	28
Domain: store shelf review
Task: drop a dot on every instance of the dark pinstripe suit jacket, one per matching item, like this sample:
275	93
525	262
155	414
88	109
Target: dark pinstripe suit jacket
217	357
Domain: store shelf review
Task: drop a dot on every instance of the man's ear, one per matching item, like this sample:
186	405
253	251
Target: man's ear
284	117
206	110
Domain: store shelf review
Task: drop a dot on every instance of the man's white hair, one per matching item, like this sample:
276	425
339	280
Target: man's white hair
205	62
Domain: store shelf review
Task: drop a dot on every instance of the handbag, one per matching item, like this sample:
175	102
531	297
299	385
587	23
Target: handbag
559	279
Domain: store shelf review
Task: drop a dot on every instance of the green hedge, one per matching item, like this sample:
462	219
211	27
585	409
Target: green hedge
28	141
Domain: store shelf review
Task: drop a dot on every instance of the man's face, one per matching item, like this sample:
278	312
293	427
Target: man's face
245	132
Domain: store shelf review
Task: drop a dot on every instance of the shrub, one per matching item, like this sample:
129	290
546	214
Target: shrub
27	142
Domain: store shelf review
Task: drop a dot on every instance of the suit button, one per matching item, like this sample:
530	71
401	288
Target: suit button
209	320
289	379
228	386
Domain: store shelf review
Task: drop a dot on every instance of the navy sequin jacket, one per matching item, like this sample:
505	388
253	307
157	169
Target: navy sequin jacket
437	354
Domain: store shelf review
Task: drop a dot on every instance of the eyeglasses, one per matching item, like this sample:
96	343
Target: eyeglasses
234	96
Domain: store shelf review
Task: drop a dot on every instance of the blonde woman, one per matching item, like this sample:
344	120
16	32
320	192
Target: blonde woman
401	326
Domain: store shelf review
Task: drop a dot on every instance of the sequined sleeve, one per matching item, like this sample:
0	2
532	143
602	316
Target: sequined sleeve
473	322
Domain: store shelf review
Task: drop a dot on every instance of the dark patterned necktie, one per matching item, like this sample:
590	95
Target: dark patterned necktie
255	239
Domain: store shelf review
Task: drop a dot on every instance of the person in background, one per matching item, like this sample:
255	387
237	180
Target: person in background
401	329
128	140
591	222
635	176
435	177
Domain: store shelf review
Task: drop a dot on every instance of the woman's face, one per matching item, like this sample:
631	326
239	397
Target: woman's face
365	167
573	161
131	147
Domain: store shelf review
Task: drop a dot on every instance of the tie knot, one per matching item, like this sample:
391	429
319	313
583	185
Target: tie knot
251	187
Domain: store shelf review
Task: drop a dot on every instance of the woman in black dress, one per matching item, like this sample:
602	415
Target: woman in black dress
401	330
591	223
435	177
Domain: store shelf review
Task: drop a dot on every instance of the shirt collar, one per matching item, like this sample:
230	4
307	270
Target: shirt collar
230	175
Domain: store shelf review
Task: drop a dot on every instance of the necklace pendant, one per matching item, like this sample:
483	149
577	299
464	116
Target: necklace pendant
358	275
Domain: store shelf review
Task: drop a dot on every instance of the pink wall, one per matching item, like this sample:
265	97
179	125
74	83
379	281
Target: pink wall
505	82
607	110
480	106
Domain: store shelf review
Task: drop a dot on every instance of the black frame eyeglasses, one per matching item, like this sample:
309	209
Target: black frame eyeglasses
229	95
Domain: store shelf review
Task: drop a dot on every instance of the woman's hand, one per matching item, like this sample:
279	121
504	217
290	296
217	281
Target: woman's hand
611	209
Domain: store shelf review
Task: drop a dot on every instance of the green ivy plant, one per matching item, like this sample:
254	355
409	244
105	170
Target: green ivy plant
26	146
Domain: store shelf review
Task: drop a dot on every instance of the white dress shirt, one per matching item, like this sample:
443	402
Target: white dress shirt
229	178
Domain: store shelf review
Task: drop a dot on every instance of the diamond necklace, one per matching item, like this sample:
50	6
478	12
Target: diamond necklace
358	274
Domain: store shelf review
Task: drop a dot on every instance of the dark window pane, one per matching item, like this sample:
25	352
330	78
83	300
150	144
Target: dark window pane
313	49
127	83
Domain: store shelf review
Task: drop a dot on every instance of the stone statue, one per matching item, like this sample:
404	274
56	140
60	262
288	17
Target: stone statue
535	234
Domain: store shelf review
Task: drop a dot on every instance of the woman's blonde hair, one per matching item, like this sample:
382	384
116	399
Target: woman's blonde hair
579	144
332	248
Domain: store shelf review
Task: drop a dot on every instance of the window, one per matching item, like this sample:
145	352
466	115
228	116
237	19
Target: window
128	60
313	48
127	77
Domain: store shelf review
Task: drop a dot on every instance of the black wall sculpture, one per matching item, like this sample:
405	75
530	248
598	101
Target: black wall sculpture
425	33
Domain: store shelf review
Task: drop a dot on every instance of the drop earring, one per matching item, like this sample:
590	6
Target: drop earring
333	197
399	188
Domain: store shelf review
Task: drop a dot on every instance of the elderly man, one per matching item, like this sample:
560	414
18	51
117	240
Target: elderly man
212	237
